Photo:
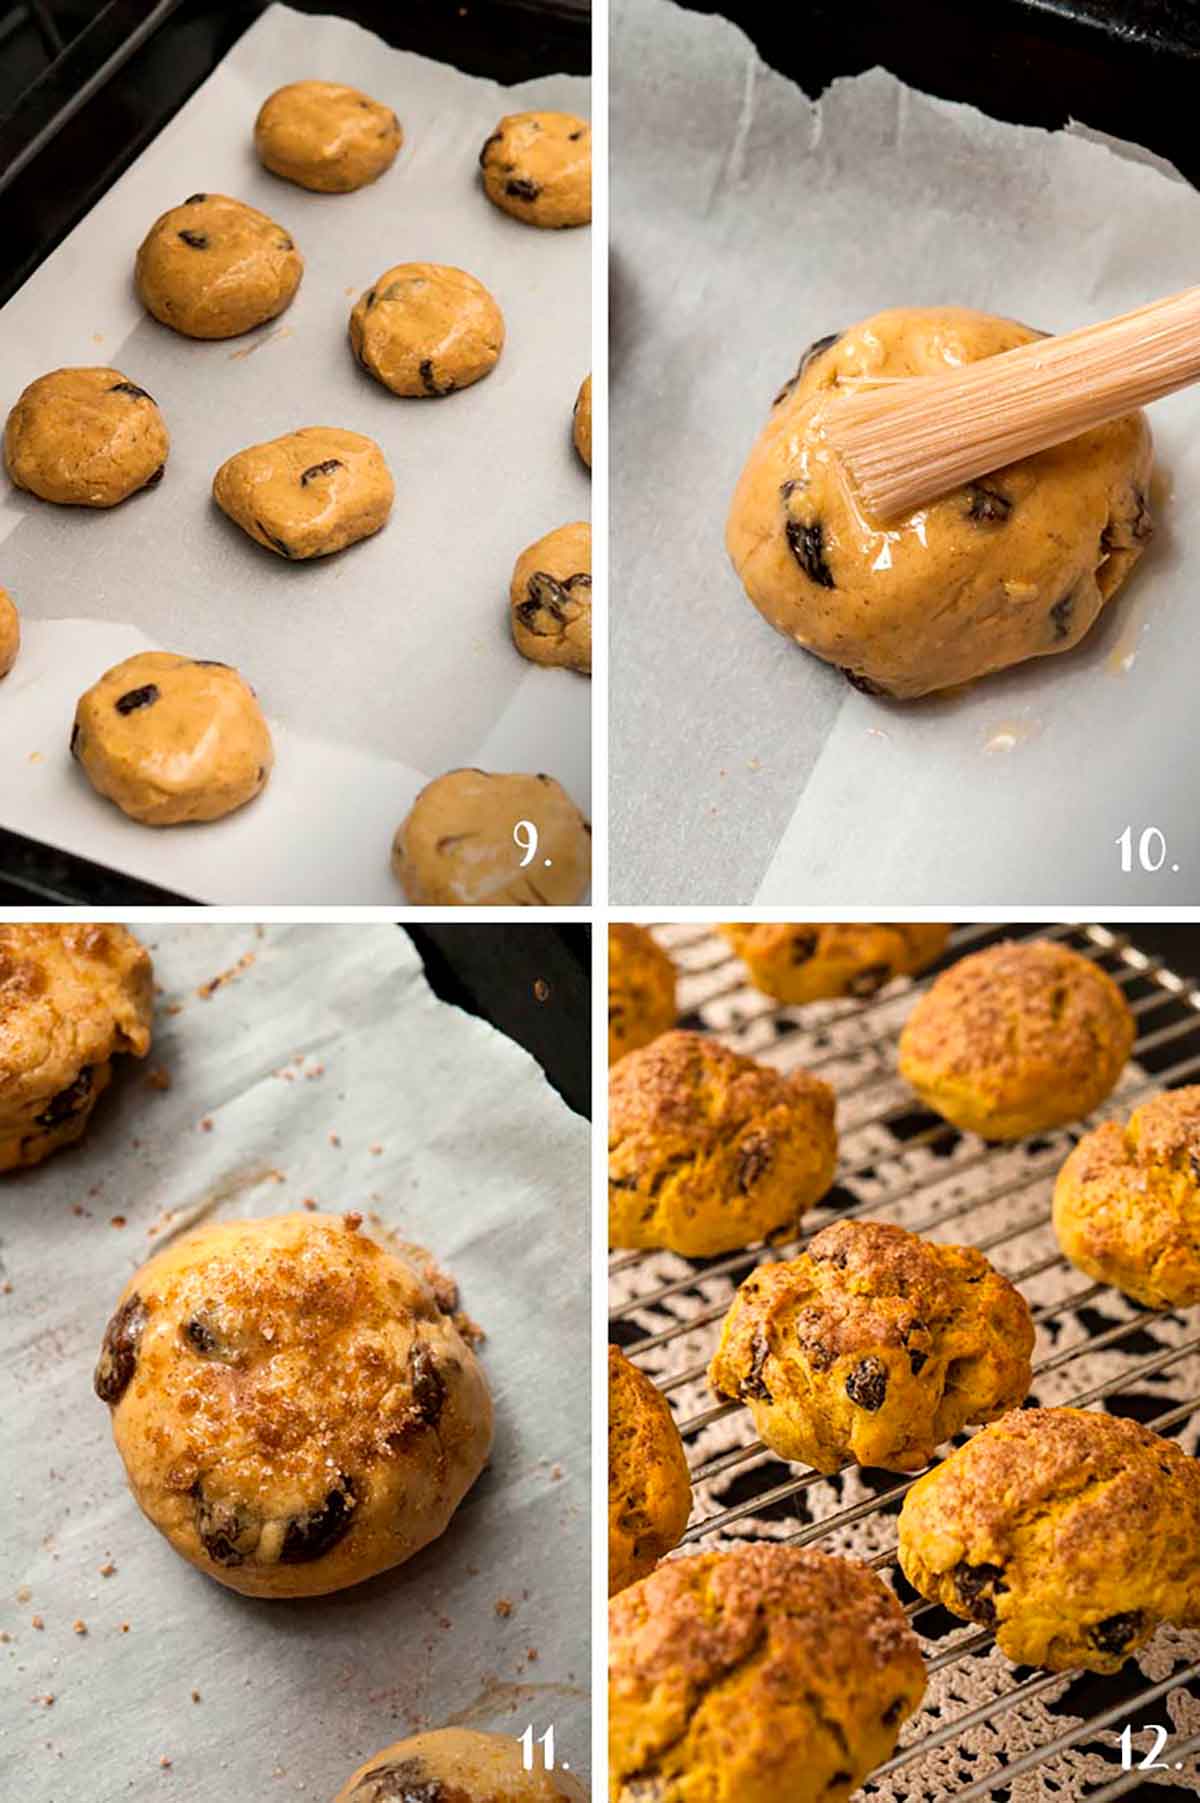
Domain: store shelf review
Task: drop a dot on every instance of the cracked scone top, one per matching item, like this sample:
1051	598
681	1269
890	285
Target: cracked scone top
873	1345
1016	565
806	962
1024	1036
458	1765
641	989
294	1411
1072	1534
71	999
708	1150
649	1490
769	1674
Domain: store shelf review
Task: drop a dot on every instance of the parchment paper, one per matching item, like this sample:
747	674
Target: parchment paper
379	667
747	221
326	1071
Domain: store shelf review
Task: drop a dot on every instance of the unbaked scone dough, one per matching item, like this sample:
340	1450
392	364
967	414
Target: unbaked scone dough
551	598
72	998
458	1765
308	493
327	137
581	421
172	739
10	632
214	267
641	989
1015	565
85	438
294	1411
427	329
538	167
457	849
649	1489
799	963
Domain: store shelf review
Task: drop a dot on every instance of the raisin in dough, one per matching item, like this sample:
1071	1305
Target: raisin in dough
85	438
214	267
456	848
72	998
458	1765
1016	565
538	167
649	1487
294	1411
308	493
172	739
808	962
10	632
581	422
551	598
427	329
326	137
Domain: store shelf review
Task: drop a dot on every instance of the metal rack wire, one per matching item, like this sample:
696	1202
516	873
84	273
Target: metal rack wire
911	1163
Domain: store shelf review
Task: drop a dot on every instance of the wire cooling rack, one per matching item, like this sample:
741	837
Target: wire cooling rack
986	1728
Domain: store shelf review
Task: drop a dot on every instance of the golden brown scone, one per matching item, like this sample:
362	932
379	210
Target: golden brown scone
1072	1534
649	1490
294	1411
809	962
308	493
551	599
581	421
214	267
769	1674
327	137
1016	1039
1016	565
538	167
873	1345
10	632
1127	1202
72	998
641	990
708	1151
85	438
458	848
458	1765
427	329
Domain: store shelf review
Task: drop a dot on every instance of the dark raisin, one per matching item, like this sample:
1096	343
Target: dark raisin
978	1586
129	703
211	663
838	1779
1060	615
1115	1632
622	1183
802	947
429	381
75	736
200	1337
119	1350
521	189
286	243
1143	525
428	1385
869	980
807	545
755	1156
580	579
863	684
574	136
371	299
131	389
866	1386
816	349
987	504
752	1384
68	1101
892	1713
321	469
544	595
227	1532
487	145
197	240
154	480
403	1781
917	1360
283	549
311	1535
193	198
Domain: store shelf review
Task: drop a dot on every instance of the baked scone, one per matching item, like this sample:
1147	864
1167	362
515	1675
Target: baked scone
1127	1202
1023	1036
172	739
214	267
10	632
538	167
427	329
72	998
810	962
1072	1534
708	1150
581	421
551	599
294	1410
325	136
1016	565
873	1345
769	1674
308	493
458	1765
641	989
466	843
85	438
649	1490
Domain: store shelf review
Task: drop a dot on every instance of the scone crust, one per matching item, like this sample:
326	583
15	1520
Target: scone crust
641	989
538	167
325	136
85	438
458	1765
550	597
808	962
649	1489
215	267
308	493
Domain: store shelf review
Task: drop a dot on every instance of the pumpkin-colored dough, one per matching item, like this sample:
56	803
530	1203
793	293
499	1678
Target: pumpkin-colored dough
215	267
459	1765
538	167
325	136
10	632
810	962
308	493
85	438
581	421
426	329
551	599
457	849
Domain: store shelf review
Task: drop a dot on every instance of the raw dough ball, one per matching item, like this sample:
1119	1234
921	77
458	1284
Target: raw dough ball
1127	1202
551	596
327	137
85	438
1072	1534
708	1151
427	329
10	632
806	963
308	493
71	999
649	1490
581	421
769	1674
293	1410
1016	565
1016	1039
875	1346
214	267
172	739
457	1765
456	848
538	167
641	990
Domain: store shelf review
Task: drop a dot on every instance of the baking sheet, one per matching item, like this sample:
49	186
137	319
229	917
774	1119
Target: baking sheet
325	1070
379	667
748	220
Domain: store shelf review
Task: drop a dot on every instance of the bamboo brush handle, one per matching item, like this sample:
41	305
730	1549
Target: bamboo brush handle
911	441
